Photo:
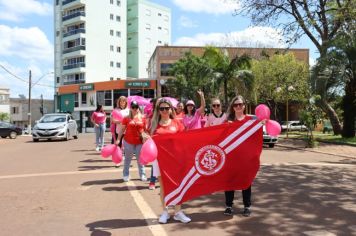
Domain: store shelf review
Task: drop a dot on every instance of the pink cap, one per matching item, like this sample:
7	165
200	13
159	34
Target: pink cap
190	102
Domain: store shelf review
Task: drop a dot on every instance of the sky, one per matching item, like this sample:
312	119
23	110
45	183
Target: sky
27	37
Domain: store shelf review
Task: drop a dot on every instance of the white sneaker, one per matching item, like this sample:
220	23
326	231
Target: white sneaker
143	178
164	217
126	178
180	216
97	149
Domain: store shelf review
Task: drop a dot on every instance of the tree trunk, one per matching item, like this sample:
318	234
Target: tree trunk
225	94
330	112
349	108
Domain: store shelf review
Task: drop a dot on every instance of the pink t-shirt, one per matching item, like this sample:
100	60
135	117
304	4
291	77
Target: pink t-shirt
215	120
98	117
192	122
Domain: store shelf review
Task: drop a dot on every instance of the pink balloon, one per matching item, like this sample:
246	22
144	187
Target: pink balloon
273	128
148	152
116	114
108	150
262	112
116	155
148	109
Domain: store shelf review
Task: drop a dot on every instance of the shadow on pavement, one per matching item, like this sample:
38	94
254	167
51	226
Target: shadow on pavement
95	160
103	182
87	168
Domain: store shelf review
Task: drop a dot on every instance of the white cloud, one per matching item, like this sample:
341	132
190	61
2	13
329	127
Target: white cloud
207	6
312	62
186	22
250	37
26	43
15	10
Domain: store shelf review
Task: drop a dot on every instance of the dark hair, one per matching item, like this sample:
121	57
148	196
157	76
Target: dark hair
98	107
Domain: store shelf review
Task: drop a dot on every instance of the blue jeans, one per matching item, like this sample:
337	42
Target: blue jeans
99	135
131	149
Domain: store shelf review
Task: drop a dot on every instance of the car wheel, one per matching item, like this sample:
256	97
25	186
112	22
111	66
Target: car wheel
13	135
271	145
35	139
3	136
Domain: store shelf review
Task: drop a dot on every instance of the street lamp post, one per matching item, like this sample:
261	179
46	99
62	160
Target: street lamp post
288	89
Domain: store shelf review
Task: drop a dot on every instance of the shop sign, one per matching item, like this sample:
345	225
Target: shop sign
86	87
137	84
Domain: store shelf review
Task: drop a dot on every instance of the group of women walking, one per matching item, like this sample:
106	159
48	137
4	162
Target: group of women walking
135	128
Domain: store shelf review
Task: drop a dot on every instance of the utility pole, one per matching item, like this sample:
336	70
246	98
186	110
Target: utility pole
29	103
42	106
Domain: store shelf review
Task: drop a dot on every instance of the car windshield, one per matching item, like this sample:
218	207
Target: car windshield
53	119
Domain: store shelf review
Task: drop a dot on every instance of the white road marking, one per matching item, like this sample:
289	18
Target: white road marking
146	210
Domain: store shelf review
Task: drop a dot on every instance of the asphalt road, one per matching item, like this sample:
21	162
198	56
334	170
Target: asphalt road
66	188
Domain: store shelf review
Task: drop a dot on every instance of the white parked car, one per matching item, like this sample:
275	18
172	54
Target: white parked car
294	126
268	139
55	126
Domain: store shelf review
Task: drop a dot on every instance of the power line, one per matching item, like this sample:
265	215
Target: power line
23	80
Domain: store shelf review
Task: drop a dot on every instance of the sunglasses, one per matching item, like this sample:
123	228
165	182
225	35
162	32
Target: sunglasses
238	105
215	105
134	107
164	108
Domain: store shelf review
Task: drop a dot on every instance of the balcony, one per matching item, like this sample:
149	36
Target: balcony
73	32
72	66
73	49
73	15
67	82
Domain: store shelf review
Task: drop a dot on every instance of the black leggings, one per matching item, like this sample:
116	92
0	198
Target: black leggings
246	197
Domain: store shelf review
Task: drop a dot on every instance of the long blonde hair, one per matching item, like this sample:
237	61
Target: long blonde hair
157	116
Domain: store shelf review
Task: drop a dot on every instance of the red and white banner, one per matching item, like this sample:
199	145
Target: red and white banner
203	161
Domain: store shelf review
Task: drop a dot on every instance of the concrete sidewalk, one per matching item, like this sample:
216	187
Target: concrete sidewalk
325	148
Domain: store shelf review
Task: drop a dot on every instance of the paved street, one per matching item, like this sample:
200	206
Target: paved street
66	188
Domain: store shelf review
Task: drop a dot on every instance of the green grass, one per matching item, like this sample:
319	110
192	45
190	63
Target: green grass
319	136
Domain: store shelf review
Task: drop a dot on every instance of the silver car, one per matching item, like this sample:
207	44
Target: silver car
268	139
55	126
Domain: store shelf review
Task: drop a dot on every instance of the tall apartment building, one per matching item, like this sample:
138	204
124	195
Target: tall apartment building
92	40
148	26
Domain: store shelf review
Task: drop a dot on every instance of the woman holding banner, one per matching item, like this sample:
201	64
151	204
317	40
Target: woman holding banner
236	113
164	122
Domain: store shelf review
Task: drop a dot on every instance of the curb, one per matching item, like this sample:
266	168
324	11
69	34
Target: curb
310	150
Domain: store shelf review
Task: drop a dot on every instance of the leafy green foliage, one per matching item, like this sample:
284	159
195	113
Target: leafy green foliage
4	116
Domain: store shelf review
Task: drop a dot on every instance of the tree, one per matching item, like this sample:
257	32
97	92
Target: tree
278	79
226	69
296	18
191	73
4	116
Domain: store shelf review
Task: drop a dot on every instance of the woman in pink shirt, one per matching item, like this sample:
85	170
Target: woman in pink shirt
98	118
192	118
217	116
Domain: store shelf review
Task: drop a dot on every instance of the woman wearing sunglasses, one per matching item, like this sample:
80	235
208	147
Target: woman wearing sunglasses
164	122
192	118
236	113
133	126
217	116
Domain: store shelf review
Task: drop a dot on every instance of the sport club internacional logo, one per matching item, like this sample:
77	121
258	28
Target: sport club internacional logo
209	160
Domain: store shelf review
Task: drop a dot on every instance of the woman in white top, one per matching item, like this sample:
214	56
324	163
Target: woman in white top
217	116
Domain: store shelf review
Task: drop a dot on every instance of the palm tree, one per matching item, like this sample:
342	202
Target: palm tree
227	69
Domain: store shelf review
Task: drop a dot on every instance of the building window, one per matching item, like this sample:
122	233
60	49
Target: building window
111	78
58	79
111	48
159	27
148	26
118	64
112	32
84	98
166	31
76	102
165	69
111	64
166	18
148	12
111	1
118	3
118	18
14	110
148	41
118	49
159	41
111	16
104	97
159	14
118	33
129	9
